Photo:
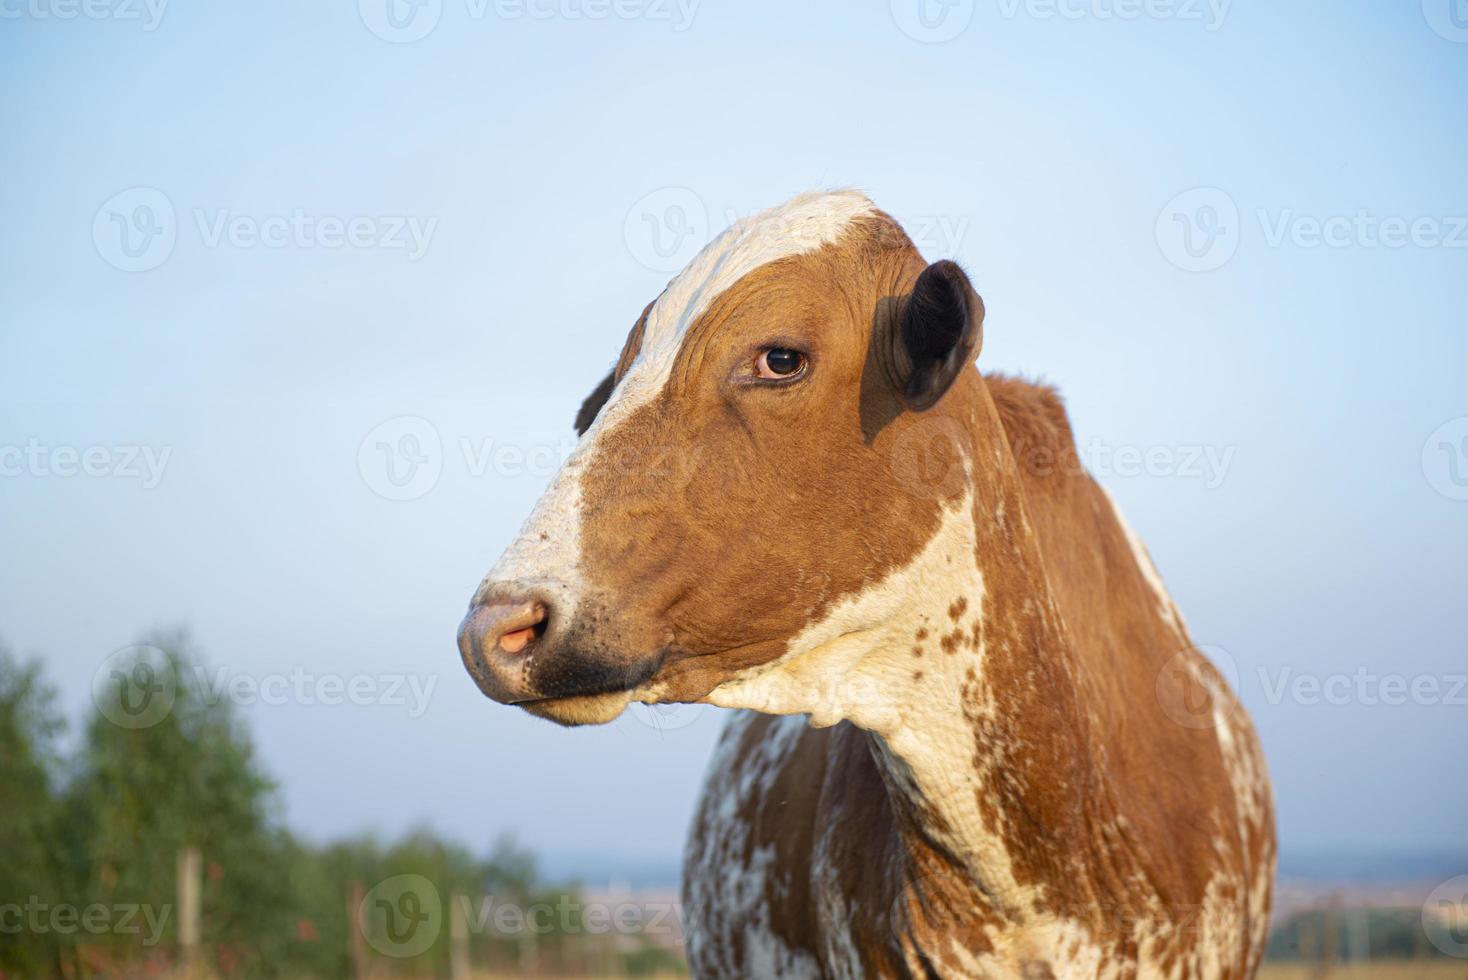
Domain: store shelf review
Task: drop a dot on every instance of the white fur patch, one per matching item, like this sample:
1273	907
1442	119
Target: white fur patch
726	879
1166	607
800	225
547	552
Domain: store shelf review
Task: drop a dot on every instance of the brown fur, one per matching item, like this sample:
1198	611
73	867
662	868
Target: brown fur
725	515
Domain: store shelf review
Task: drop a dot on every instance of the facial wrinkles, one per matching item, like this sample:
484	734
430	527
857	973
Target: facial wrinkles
801	225
547	550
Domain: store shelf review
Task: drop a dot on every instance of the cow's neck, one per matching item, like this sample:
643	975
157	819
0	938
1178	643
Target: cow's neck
959	667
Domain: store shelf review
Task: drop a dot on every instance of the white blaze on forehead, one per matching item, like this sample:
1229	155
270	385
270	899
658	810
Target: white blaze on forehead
547	551
800	225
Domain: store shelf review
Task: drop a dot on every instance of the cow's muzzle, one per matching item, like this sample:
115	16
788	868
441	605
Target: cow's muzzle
522	647
500	639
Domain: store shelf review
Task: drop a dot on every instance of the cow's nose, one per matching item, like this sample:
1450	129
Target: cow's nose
496	640
502	628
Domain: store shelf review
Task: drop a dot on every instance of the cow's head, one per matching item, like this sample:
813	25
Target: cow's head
739	473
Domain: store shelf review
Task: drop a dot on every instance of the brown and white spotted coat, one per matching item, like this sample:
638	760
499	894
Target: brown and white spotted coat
976	741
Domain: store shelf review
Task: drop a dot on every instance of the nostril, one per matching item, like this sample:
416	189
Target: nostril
516	640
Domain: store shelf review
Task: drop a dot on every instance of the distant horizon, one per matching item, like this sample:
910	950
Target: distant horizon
1341	862
219	409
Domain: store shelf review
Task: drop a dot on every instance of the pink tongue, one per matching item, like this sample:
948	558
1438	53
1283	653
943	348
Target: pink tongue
516	640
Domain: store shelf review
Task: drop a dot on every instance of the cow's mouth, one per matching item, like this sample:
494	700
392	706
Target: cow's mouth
579	709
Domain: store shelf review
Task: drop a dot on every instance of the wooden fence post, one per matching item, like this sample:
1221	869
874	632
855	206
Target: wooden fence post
459	937
190	864
355	896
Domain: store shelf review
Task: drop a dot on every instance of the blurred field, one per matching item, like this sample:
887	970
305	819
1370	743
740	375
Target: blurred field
155	851
1385	970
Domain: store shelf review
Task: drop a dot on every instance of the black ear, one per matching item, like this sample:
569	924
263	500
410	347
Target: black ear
594	402
942	330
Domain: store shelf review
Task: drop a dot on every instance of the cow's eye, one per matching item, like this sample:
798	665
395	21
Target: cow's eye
780	363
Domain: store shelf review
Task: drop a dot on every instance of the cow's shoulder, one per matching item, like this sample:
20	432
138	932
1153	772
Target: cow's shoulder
794	865
746	872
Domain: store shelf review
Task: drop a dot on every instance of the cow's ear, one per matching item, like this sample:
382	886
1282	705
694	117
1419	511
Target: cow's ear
594	401
941	332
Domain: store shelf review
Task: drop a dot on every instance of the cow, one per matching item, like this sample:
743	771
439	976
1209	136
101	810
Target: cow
974	738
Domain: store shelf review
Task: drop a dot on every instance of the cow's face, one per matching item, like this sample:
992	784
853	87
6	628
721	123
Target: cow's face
740	472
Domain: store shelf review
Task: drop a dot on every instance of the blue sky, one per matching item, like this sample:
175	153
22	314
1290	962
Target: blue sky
1140	199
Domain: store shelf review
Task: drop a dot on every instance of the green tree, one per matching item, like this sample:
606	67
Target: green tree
180	773
32	867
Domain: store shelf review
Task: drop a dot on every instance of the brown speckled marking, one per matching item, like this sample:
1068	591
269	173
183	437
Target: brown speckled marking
1021	807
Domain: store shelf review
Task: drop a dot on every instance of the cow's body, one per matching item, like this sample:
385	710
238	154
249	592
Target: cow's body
977	740
1103	825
